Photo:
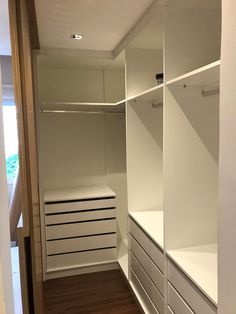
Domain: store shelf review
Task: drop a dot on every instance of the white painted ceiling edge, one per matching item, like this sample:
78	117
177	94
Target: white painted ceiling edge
5	42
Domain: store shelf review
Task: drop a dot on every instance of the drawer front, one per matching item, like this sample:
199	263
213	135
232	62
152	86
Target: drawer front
142	294
80	216
81	244
148	285
176	302
149	266
155	253
189	292
80	229
81	259
169	311
80	205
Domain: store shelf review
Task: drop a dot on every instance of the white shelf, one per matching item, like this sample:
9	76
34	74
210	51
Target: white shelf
200	264
123	256
61	107
208	75
154	95
78	193
152	222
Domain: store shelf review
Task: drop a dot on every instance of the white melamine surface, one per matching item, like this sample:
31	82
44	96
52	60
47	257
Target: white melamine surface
123	256
200	264
78	193
154	95
152	222
204	76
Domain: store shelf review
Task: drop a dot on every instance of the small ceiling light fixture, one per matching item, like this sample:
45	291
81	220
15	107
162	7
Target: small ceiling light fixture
76	36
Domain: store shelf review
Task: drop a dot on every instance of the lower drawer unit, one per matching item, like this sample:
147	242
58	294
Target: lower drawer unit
148	265
151	249
93	257
81	244
176	302
80	233
195	299
147	284
142	295
80	229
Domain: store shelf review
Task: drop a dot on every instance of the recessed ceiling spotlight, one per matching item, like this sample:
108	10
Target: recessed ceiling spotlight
76	36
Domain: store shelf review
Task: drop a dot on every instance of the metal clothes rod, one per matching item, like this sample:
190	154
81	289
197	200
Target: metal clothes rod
211	92
77	111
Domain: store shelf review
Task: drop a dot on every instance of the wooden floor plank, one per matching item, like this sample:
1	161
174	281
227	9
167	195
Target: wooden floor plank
100	293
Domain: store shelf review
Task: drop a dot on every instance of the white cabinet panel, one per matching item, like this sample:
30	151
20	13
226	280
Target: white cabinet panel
80	229
148	285
176	302
81	244
80	216
80	205
155	253
189	292
148	265
81	259
142	294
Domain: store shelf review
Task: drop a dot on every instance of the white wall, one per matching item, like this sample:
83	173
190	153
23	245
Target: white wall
116	166
5	254
142	65
70	85
72	149
192	36
227	218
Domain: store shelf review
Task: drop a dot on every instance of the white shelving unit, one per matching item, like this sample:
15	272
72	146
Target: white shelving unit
200	264
152	222
168	145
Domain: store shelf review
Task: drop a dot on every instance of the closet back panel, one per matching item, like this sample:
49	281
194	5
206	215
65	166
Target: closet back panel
72	150
116	167
192	35
144	156
70	85
142	65
191	167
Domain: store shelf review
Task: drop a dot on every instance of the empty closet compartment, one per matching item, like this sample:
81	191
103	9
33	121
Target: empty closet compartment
192	35
144	55
82	163
183	295
191	175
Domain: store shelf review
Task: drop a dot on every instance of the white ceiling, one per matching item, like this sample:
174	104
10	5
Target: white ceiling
5	45
104	23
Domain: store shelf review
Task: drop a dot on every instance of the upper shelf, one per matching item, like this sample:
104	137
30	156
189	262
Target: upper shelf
153	223
153	95
78	193
200	264
208	75
73	107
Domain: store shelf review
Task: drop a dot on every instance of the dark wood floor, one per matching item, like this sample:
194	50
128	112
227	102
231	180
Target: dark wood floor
101	293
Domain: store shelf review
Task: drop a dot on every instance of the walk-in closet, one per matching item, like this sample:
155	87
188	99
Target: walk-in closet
129	150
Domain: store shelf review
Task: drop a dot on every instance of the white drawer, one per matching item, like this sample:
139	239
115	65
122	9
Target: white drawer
155	253
142	295
81	244
199	303
176	302
79	205
81	259
80	216
148	285
151	269
169	311
80	229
